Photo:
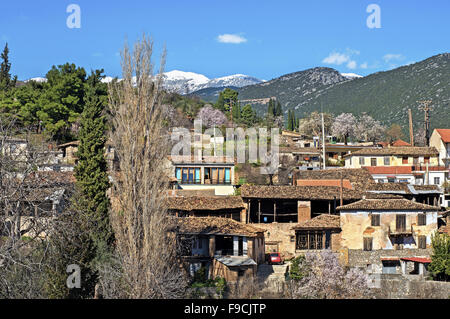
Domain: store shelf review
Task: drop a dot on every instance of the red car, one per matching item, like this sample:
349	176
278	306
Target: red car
275	258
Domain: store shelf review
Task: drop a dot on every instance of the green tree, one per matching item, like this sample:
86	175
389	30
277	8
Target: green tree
248	115
271	108
220	104
439	267
278	110
91	170
69	244
230	97
237	112
62	101
6	82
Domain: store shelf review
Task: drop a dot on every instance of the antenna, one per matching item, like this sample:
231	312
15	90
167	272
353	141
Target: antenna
425	106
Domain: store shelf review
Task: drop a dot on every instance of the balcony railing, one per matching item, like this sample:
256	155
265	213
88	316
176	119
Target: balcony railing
207	181
401	231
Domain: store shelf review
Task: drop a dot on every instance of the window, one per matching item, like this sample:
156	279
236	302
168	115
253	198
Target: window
188	175
375	220
405	160
373	162
421	219
217	175
400	223
361	160
313	240
437	181
426	159
302	240
422	242
368	243
387	161
415	160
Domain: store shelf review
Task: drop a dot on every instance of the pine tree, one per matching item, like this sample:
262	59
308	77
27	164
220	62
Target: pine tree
91	171
290	121
248	115
220	104
279	110
6	82
270	108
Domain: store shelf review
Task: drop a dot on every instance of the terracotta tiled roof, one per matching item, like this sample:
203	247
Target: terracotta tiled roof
387	204
300	150
323	221
399	143
213	226
422	260
445	134
358	177
304	192
389	169
205	203
402	187
324	182
397	151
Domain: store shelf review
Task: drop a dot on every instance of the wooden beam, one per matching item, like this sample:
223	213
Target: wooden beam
259	211
274	210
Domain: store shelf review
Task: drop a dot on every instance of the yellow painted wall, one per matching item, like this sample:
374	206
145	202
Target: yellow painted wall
353	161
357	225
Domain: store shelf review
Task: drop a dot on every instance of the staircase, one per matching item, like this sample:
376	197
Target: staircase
272	277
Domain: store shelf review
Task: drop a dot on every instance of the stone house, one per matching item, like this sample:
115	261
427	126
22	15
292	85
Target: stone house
278	208
223	247
377	233
318	233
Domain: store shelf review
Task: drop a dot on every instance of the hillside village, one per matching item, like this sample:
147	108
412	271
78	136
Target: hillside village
344	184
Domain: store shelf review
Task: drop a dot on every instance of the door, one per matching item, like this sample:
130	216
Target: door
400	222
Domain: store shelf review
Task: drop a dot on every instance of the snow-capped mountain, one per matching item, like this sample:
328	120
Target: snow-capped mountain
37	79
351	76
187	82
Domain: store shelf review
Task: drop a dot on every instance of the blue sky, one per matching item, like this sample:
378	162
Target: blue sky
261	38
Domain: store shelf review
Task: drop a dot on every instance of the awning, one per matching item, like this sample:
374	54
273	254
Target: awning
422	260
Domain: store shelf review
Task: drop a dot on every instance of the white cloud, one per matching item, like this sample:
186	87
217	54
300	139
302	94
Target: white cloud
231	38
364	65
351	65
392	57
336	58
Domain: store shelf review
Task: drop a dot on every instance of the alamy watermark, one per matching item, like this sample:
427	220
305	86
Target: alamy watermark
238	143
74	279
74	19
374	19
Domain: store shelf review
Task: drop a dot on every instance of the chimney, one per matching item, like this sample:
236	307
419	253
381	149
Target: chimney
303	210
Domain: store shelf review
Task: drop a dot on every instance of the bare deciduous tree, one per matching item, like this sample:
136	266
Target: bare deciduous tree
28	202
146	251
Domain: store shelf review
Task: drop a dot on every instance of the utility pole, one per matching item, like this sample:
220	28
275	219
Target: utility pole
411	134
425	106
323	144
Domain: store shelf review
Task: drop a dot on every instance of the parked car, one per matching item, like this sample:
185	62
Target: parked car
275	258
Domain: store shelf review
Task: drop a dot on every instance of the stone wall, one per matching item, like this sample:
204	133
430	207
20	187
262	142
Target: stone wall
282	234
361	258
410	287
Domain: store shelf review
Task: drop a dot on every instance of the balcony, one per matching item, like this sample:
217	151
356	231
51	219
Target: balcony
400	231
